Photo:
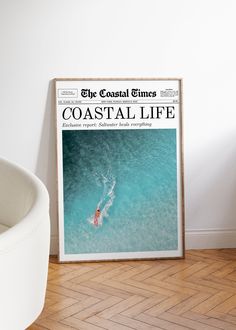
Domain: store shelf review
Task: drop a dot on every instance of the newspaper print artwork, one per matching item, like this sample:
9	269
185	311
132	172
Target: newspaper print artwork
120	177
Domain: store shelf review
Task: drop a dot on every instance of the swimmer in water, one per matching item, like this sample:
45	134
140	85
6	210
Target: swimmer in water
96	217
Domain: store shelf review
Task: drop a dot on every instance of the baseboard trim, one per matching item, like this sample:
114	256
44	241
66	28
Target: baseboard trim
194	239
210	239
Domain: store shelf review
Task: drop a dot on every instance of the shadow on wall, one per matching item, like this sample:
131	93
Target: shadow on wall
211	186
46	167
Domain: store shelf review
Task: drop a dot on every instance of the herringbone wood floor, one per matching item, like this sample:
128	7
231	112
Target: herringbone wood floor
196	293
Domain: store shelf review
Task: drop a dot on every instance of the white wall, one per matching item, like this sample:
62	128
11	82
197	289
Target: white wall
44	39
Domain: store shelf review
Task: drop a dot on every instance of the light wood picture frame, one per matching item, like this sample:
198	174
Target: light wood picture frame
120	168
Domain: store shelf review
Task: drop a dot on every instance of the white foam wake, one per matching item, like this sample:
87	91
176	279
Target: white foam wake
107	198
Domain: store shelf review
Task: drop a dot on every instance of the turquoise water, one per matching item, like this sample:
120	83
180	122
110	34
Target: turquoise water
131	176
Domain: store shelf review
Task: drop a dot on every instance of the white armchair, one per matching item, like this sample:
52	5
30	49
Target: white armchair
24	246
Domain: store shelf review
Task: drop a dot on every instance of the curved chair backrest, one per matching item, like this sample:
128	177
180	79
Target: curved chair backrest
24	246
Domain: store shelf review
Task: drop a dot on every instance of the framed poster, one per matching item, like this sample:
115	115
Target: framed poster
120	175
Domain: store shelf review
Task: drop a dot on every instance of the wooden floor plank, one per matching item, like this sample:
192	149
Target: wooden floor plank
92	274
79	324
210	269
132	272
107	324
120	307
62	304
154	270
57	278
214	322
215	283
222	272
221	316
152	288
175	269
129	288
37	327
143	305
166	304
102	287
211	302
112	273
226	283
74	309
173	288
102	306
196	293
159	323
134	324
85	290
192	285
54	325
190	303
188	271
60	290
227	305
183	321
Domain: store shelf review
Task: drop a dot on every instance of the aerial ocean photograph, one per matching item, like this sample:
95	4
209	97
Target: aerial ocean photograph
120	190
